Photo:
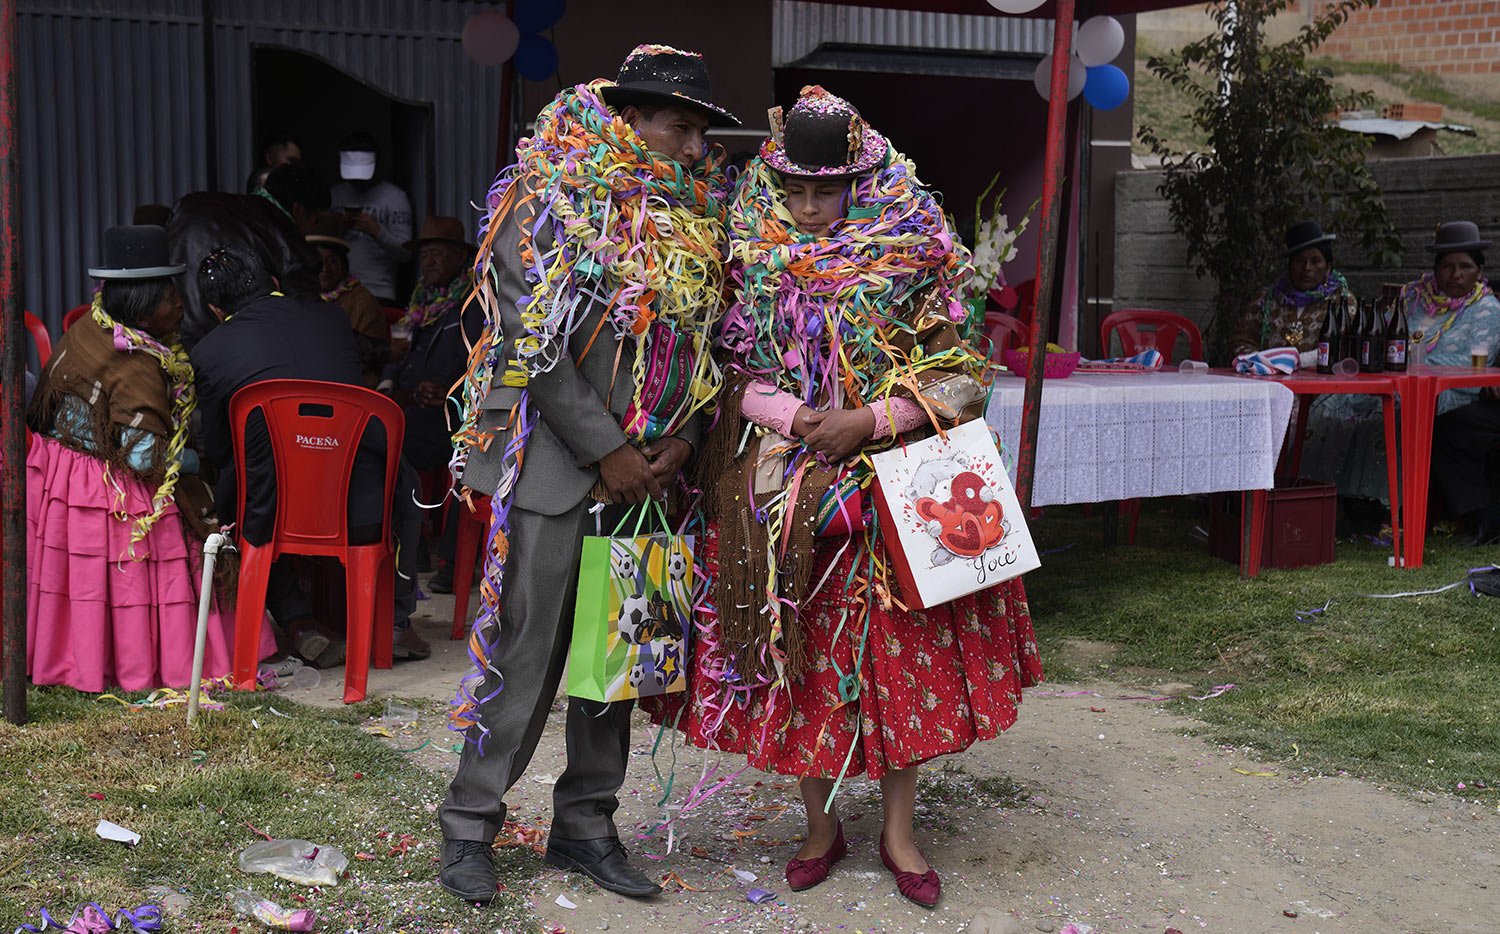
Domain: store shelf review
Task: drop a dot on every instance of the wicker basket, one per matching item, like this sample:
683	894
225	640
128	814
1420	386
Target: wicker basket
1057	366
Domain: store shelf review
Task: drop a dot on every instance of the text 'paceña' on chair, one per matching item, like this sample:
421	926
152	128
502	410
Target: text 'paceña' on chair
315	429
40	337
1161	331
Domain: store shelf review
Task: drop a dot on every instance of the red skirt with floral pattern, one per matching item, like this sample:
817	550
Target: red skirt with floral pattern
930	682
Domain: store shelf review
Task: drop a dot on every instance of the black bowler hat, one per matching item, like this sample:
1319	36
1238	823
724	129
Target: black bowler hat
136	252
660	74
1304	234
822	137
1457	237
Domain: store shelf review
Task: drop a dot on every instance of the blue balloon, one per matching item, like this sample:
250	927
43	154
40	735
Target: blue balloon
534	16
1106	87
536	58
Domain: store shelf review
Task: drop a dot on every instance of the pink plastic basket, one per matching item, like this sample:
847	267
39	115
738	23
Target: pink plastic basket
1058	365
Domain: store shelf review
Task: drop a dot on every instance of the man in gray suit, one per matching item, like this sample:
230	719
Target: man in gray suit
577	446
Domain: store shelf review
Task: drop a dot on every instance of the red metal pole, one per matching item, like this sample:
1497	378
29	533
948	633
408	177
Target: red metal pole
1052	172
12	388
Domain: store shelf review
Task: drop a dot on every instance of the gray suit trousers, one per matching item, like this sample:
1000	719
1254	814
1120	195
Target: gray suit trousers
536	626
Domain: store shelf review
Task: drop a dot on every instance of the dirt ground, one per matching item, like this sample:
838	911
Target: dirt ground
1093	809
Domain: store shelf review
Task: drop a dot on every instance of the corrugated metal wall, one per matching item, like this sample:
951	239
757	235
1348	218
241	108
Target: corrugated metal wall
114	113
800	27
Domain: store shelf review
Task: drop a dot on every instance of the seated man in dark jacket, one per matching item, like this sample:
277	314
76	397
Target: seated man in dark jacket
270	224
266	337
441	331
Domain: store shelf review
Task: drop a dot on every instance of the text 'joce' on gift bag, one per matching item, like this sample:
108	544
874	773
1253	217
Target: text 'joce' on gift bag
949	516
634	613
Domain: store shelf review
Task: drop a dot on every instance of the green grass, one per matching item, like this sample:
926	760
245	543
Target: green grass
1404	690
1169	112
1420	86
311	774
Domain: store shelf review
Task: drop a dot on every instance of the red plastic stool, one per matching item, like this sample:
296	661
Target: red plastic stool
472	526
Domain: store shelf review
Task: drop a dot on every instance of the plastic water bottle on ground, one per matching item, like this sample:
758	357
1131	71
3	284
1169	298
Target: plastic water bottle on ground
270	914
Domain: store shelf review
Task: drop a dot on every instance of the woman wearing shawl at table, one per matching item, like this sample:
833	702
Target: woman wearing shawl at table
115	515
1291	312
1465	436
1450	311
804	661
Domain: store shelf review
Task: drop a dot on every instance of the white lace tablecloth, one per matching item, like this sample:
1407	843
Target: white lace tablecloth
1107	436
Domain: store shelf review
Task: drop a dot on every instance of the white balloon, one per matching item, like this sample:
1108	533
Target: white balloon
1016	6
1100	40
1077	77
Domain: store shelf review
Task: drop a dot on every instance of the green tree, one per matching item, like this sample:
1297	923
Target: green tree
1274	153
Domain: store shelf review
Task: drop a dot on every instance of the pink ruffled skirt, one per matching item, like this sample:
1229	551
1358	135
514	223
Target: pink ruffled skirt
95	618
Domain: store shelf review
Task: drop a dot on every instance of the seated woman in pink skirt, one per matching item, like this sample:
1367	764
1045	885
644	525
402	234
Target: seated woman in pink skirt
115	514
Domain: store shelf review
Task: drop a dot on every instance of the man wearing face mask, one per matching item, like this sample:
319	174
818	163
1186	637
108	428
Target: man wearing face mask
582	289
379	216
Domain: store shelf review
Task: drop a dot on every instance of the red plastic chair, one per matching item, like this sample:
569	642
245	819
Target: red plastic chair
1166	326
1025	301
40	337
1005	332
472	527
433	487
1002	298
315	429
74	314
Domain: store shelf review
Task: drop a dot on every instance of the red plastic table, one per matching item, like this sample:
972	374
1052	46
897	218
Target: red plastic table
1419	394
1306	385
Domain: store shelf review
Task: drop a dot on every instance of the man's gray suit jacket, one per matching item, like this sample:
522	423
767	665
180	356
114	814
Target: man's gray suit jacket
579	414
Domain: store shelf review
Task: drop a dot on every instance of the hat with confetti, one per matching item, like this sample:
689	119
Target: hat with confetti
822	137
660	74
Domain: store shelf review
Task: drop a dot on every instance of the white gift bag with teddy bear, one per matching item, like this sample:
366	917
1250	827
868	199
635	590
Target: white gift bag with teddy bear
949	517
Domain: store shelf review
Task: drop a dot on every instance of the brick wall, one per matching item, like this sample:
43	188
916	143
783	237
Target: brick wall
1151	269
1441	36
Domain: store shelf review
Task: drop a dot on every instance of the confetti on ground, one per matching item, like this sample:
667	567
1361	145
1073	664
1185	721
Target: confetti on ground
1216	691
514	834
564	901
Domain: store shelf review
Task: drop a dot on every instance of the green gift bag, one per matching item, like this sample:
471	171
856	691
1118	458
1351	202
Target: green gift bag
633	615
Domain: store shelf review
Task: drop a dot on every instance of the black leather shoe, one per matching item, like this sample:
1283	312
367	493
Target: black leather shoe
604	861
442	581
468	870
1486	526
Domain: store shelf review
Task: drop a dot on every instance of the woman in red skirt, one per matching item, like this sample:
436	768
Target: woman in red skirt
844	338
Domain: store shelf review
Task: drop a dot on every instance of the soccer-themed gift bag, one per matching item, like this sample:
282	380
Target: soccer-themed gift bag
634	613
949	517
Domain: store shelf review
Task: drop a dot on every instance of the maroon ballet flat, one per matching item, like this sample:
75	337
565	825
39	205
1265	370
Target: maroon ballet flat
923	888
806	873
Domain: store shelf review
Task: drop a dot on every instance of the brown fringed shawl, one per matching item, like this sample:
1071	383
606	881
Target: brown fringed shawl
122	393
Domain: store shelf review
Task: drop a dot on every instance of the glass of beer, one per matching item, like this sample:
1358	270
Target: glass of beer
1479	356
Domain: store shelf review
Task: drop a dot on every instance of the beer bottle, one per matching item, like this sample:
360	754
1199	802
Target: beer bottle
1376	324
1362	336
1349	335
1328	339
1397	337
